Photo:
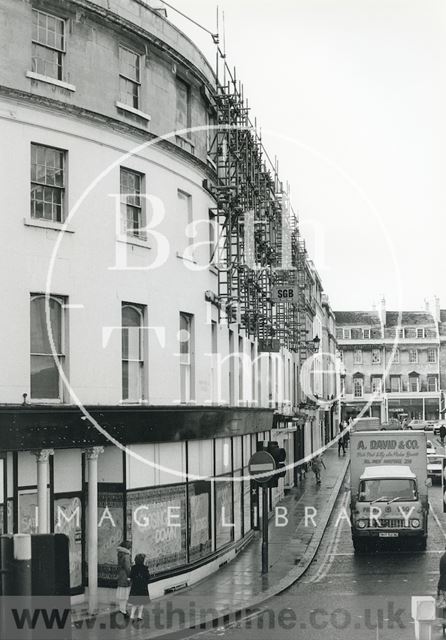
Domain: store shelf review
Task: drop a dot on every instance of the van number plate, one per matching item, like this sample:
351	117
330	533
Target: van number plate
388	534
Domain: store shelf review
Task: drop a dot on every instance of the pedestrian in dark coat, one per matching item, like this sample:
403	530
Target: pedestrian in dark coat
441	586
442	433
139	591
341	442
124	567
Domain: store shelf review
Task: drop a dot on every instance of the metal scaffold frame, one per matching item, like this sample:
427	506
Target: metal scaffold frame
258	237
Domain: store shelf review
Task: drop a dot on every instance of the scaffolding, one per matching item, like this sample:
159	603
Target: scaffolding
259	245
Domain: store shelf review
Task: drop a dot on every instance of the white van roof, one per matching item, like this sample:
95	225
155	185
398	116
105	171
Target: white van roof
388	471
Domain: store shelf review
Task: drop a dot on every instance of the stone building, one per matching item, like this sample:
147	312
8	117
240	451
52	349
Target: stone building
126	381
391	363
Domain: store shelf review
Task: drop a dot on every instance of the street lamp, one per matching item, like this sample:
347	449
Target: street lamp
313	345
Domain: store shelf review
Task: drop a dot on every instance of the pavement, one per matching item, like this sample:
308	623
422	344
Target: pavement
238	588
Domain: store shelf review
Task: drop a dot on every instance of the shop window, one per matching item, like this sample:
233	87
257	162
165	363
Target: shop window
47	183
46	382
48	44
132	353
129	77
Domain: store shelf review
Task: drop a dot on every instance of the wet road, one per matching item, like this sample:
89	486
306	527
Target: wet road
344	596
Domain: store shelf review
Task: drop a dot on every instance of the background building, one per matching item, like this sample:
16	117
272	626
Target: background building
136	252
391	362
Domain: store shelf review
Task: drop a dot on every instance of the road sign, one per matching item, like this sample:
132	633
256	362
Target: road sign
284	293
261	462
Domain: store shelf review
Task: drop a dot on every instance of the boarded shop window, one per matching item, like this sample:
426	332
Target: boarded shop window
47	183
200	530
149	512
48	45
224	511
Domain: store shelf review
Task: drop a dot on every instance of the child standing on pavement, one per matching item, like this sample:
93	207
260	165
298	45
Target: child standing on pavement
316	464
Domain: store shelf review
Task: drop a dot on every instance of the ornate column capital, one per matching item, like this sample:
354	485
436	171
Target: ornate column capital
42	455
93	453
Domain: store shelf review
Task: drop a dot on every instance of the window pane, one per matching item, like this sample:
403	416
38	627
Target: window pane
44	378
131	380
182	105
131	333
39	332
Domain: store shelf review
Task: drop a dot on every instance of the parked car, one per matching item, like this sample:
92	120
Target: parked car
430	425
393	425
419	425
434	467
431	450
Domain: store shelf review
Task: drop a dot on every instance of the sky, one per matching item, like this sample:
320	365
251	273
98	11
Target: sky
351	98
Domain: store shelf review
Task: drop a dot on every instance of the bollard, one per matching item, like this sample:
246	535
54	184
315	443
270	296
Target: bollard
423	614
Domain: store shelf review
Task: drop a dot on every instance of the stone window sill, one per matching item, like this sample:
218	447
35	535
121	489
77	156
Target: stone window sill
47	224
137	242
185	258
49	80
135	112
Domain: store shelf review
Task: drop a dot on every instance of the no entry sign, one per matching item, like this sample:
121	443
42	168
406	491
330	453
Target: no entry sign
261	462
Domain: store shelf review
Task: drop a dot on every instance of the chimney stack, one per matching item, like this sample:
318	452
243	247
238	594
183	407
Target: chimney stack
427	305
437	309
382	311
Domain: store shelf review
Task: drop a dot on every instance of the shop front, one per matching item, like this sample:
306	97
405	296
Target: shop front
419	408
185	504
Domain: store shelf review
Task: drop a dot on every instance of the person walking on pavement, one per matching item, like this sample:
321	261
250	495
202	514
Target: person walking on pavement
139	591
341	443
442	433
124	569
441	589
316	465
